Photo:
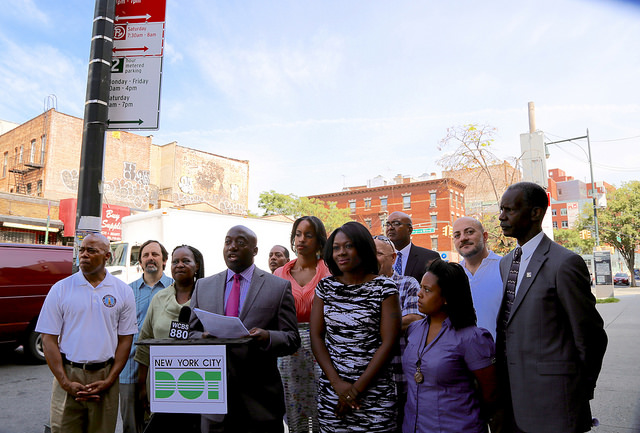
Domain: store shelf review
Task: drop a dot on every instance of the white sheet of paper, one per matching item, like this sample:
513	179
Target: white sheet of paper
221	326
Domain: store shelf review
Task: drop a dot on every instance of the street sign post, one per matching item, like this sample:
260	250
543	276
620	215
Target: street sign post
419	231
136	68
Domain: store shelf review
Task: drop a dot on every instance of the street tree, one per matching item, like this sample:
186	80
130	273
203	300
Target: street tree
570	239
470	158
275	203
619	222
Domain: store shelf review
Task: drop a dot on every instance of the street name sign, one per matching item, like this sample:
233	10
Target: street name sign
136	67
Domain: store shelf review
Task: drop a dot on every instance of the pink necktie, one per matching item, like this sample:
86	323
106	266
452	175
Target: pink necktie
233	303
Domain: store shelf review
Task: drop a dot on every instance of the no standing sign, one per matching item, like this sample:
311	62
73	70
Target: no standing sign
136	69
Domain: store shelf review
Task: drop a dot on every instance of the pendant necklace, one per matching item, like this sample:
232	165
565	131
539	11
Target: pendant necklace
418	376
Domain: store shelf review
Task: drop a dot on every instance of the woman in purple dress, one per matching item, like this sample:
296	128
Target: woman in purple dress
446	356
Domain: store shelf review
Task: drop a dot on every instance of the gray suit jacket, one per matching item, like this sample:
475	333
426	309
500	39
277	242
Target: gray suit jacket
254	385
555	342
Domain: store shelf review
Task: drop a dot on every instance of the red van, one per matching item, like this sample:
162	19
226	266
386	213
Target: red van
27	272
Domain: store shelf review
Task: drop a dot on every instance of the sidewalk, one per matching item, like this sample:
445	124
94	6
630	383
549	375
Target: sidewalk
617	396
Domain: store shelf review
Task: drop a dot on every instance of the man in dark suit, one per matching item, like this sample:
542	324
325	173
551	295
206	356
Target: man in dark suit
412	260
550	339
265	305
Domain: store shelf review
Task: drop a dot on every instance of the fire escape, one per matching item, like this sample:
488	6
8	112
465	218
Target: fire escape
27	178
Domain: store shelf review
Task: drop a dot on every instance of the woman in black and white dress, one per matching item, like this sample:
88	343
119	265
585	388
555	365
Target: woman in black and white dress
355	323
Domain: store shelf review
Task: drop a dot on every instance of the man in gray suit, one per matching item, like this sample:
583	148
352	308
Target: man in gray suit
265	305
550	338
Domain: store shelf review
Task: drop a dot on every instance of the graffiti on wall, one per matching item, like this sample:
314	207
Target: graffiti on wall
132	188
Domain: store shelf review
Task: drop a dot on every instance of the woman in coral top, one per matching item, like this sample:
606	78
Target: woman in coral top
299	371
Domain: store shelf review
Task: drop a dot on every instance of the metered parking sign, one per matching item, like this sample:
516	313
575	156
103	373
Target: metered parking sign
188	379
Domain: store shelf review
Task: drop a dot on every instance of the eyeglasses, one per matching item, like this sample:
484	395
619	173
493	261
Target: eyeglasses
396	224
385	239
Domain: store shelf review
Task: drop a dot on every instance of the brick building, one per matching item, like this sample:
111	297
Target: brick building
483	186
432	204
40	162
569	197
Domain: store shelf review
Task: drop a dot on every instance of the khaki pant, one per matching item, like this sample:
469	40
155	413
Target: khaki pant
71	416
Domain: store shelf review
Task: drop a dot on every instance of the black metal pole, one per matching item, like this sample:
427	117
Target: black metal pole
96	110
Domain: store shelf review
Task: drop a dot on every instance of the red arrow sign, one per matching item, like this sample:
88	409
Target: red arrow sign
130	49
141	10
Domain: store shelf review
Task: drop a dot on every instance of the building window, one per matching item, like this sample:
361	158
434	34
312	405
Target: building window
43	147
565	224
555	224
367	204
352	206
434	221
32	153
39	188
554	212
5	161
432	199
434	243
21	154
406	201
367	222
563	211
29	188
383	203
383	221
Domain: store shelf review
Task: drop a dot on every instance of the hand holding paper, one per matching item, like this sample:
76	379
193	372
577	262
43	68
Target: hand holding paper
221	326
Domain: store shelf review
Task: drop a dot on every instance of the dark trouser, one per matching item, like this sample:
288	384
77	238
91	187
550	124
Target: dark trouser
230	425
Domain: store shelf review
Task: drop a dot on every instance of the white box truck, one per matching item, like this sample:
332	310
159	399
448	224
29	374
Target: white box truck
203	230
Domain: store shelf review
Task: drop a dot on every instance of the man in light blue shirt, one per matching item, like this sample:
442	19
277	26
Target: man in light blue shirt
153	259
482	268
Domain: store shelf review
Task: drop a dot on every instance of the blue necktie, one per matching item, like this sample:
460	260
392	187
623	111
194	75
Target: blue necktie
398	266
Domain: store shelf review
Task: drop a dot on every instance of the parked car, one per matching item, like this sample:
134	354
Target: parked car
27	272
621	278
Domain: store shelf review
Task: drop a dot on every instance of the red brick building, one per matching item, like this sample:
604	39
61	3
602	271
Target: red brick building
432	204
569	197
39	170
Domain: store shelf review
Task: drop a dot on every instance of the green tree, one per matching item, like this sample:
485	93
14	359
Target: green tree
275	203
570	239
619	222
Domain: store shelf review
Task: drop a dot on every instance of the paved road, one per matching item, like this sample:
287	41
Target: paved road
25	389
617	397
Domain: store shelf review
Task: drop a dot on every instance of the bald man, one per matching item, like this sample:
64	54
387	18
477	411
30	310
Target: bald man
482	267
412	260
264	303
87	324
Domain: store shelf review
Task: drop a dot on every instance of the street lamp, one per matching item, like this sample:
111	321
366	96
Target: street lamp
593	186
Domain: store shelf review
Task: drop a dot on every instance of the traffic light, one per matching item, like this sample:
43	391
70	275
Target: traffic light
446	230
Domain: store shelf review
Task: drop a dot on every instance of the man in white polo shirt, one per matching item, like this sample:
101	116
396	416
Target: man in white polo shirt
87	324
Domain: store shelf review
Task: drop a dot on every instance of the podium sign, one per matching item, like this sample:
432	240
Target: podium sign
188	379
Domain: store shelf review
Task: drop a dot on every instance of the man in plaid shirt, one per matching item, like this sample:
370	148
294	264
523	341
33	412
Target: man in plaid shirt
408	288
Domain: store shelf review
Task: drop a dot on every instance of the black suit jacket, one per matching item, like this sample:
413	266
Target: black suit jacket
555	342
417	261
254	391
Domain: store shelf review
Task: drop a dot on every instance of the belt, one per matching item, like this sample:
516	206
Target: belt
90	366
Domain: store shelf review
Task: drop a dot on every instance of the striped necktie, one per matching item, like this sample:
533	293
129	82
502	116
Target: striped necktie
507	301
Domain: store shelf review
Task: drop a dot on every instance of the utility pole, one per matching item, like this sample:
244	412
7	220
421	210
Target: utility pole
96	109
593	185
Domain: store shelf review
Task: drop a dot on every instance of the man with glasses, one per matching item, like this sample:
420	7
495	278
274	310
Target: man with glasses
412	260
408	288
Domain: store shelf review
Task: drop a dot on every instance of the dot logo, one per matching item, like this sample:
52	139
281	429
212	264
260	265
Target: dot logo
190	385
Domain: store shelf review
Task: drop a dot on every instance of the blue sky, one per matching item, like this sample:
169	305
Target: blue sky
318	95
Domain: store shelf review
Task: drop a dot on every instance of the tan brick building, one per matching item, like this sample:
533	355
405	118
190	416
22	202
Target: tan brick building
41	159
432	204
482	187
